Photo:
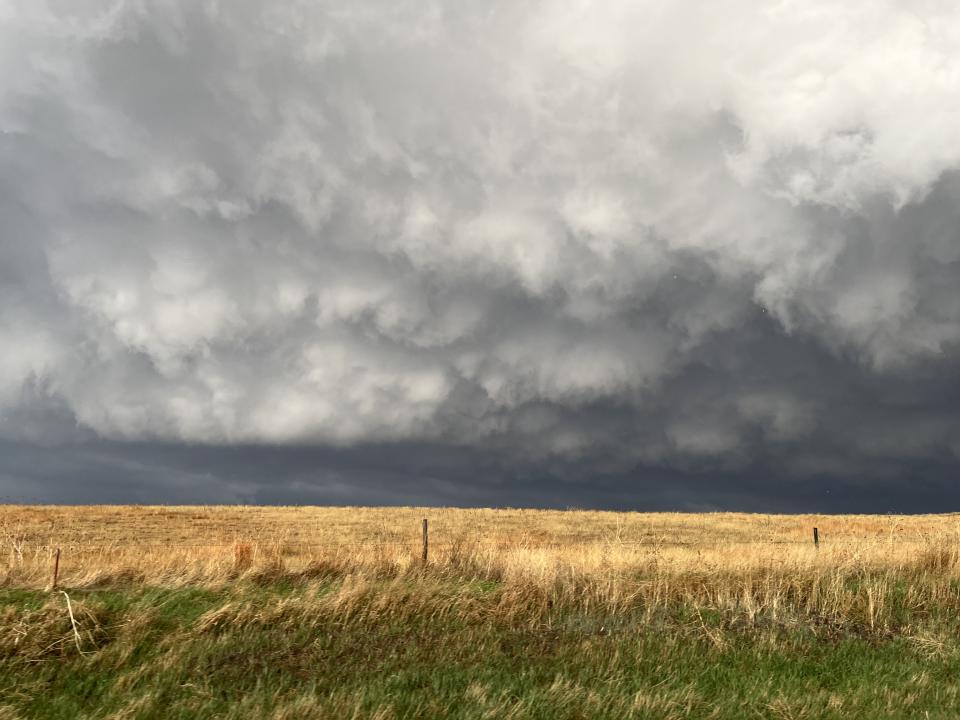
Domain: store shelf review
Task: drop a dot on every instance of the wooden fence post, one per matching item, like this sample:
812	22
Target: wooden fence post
424	541
56	568
816	539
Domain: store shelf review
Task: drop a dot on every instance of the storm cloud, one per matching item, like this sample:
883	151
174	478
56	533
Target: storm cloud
479	252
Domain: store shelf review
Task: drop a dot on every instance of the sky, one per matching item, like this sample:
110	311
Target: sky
558	253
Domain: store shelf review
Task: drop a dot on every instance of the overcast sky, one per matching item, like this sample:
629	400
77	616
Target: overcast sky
637	254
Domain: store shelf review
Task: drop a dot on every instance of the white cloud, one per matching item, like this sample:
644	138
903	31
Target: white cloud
416	220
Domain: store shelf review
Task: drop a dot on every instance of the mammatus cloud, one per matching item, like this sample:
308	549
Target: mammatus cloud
699	236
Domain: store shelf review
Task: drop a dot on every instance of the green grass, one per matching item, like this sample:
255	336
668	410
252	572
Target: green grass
441	649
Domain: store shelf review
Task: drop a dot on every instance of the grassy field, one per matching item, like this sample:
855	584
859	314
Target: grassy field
229	612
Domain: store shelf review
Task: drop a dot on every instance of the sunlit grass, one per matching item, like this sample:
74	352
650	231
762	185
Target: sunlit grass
329	612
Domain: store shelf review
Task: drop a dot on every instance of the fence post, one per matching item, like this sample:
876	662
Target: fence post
56	568
424	541
816	539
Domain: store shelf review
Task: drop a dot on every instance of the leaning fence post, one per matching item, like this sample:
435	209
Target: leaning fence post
56	568
816	539
424	541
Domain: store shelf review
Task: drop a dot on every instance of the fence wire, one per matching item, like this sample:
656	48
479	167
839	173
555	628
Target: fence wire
290	545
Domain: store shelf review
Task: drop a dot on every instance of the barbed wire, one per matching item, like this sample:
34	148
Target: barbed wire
112	544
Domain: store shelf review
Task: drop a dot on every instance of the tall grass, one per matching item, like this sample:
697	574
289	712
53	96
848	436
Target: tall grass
868	570
326	612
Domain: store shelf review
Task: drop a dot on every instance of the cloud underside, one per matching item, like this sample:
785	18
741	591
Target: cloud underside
633	233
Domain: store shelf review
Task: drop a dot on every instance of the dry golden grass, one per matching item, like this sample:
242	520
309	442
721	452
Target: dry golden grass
616	556
195	544
581	590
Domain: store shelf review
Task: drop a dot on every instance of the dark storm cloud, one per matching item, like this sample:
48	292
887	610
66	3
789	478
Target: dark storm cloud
435	476
549	252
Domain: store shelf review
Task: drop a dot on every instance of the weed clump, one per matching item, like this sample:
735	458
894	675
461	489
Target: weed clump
242	556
